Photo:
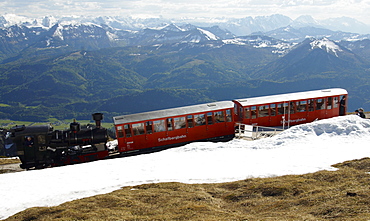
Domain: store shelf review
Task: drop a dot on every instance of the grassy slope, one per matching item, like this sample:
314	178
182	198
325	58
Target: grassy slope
324	195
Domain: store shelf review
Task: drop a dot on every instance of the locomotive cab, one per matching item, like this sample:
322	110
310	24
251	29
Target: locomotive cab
31	145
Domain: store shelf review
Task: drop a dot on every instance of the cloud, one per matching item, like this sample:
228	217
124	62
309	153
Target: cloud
319	9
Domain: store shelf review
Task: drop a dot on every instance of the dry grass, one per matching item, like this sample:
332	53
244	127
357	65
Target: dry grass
324	195
9	161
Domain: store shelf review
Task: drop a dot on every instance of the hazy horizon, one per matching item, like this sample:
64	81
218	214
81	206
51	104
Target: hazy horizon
318	9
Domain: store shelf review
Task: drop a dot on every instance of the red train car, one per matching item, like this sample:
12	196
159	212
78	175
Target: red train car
290	109
174	127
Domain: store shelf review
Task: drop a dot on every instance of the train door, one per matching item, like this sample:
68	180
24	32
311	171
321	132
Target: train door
283	114
264	115
30	149
138	136
129	140
238	112
320	111
311	110
342	105
274	119
120	138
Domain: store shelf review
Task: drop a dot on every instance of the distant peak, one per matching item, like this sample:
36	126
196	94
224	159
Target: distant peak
326	44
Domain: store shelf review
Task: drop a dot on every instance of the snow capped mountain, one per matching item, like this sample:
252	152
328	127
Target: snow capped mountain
240	26
92	33
260	41
299	34
314	57
326	45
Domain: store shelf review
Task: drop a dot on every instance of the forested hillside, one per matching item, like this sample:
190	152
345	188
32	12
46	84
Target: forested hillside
38	83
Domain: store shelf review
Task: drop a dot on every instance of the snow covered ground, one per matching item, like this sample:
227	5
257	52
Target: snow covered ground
301	149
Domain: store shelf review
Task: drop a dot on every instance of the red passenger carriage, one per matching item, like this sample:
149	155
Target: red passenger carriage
289	109
174	127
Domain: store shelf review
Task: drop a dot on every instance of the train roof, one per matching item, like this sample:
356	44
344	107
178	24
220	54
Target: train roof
291	96
173	112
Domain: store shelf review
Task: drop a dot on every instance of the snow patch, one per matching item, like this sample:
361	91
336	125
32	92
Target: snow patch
209	35
326	44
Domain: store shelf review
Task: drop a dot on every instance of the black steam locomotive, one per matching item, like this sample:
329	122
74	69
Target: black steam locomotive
41	146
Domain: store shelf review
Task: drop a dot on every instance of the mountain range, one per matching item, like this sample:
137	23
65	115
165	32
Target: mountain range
68	69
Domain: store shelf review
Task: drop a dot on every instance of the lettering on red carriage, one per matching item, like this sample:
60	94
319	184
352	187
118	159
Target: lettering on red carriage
171	138
295	120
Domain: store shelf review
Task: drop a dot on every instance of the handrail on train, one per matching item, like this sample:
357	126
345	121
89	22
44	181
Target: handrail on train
255	132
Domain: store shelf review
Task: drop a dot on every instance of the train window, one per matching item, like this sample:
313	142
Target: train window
138	128
282	108
169	124
247	113
41	139
149	127
190	121
29	141
127	130
228	116
336	101
253	112
329	104
292	107
301	106
119	131
219	117
179	122
199	119
263	111
311	105
209	118
159	126
320	104
273	109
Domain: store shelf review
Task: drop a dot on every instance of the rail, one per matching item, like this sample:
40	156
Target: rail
255	132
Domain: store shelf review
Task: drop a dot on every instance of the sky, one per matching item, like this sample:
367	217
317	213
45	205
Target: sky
318	9
301	149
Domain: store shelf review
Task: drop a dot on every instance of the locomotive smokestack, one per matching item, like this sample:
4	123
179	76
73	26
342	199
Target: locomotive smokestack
97	118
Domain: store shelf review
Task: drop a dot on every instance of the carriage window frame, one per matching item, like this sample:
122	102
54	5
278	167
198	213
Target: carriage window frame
149	127
247	114
320	103
209	117
262	111
169	124
329	103
159	126
282	108
220	116
311	105
138	129
120	133
229	118
302	106
127	129
253	112
190	121
273	110
336	102
292	107
179	122
199	119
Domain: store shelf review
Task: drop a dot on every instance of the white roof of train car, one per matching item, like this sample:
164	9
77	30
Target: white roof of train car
172	112
291	96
